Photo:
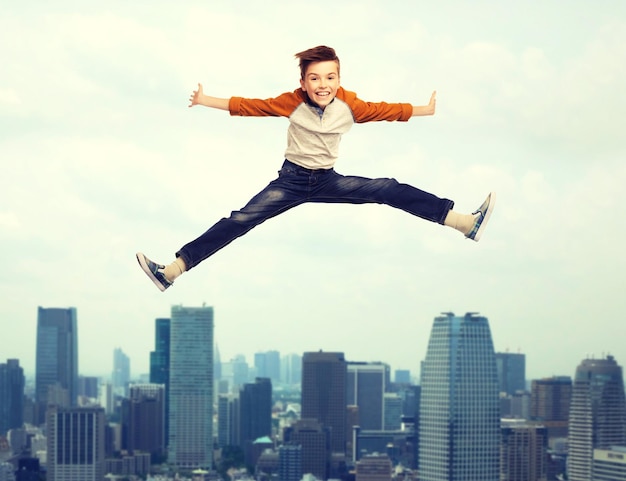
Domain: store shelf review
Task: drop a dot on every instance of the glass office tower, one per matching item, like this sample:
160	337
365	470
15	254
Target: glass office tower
459	412
57	354
190	443
160	364
75	444
597	418
324	394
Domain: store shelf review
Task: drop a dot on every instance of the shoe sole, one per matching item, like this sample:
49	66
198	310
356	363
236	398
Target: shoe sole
144	267
483	224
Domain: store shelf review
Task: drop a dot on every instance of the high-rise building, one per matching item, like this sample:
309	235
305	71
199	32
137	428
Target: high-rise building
392	403
515	405
11	396
160	363
236	372
190	443
511	372
609	464
459	437
120	377
402	376
523	451
550	400
324	394
315	441
217	364
411	396
366	385
160	357
290	462
57	355
291	369
227	420
75	440
374	467
597	418
255	413
400	445
88	386
267	365
143	420
106	397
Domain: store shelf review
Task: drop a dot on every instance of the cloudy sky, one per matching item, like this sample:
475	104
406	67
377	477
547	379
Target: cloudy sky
100	158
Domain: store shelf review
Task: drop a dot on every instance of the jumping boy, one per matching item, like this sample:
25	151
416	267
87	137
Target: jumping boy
319	113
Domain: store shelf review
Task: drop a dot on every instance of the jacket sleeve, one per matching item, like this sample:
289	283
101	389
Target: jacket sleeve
281	106
375	111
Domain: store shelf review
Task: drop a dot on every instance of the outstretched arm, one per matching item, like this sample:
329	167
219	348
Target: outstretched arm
198	98
426	109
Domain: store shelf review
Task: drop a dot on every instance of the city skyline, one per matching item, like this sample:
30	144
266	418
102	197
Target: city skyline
459	420
103	158
136	375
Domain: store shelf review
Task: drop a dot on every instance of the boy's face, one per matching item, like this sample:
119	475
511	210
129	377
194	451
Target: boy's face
321	82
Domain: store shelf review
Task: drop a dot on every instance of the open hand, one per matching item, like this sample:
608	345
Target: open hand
432	102
195	97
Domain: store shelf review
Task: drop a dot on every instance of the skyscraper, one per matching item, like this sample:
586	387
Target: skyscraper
290	462
392	411
143	420
374	467
57	354
402	376
217	364
366	385
236	372
255	405
88	386
324	393
121	372
550	400
609	464
315	441
160	364
597	416
11	396
459	436
291	369
191	387
523	451
227	420
267	364
75	439
160	357
511	372
255	416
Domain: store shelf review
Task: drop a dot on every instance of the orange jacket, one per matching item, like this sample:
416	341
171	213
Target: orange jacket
313	135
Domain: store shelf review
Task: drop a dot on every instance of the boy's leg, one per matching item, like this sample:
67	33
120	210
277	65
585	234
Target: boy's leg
280	195
361	190
337	188
283	193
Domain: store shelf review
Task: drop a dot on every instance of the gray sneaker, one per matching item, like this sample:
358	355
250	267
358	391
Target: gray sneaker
154	271
482	217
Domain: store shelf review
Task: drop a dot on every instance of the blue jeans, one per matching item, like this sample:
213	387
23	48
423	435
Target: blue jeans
296	185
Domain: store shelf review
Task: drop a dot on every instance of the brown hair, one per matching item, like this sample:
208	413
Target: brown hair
316	54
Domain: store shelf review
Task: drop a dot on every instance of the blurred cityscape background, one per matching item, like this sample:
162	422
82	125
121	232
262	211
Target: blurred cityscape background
469	414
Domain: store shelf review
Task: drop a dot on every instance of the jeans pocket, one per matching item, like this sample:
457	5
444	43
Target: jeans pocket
287	171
